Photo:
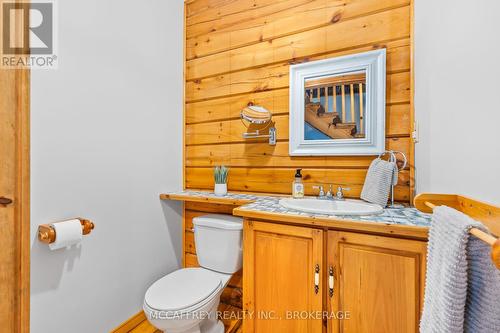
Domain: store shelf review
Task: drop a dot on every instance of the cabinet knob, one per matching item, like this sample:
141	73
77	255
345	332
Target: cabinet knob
5	201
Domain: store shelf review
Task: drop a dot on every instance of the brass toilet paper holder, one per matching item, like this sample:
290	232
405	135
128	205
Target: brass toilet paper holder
47	234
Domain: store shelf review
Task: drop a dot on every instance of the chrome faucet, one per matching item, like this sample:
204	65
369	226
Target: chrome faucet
339	195
329	194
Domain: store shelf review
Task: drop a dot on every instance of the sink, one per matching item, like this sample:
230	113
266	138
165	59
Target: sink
332	207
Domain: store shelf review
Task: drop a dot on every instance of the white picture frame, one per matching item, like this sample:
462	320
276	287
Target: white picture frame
374	65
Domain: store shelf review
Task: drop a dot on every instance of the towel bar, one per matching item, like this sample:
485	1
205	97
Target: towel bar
487	214
47	234
474	231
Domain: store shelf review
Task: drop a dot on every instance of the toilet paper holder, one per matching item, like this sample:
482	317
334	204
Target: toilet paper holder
47	234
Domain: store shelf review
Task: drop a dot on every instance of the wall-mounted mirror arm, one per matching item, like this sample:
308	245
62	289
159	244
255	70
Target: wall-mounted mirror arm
258	135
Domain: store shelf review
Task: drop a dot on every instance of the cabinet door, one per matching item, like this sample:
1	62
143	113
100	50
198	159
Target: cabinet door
282	285
378	283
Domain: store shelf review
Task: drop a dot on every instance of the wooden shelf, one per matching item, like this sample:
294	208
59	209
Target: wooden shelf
207	199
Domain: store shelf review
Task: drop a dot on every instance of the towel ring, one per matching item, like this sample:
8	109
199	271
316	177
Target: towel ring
393	157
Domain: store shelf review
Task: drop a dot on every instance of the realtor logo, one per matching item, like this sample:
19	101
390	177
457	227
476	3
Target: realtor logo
28	35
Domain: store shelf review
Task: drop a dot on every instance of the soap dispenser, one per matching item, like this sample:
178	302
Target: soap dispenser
298	186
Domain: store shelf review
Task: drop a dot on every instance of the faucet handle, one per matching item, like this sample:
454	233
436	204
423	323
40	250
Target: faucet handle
340	195
321	190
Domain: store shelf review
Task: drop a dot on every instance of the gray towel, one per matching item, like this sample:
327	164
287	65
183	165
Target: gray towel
462	287
381	175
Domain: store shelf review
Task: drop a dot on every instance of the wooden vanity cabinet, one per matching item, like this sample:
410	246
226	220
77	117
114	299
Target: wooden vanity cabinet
377	281
281	264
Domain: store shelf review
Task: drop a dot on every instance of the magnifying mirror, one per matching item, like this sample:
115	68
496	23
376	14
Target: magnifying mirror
256	114
253	116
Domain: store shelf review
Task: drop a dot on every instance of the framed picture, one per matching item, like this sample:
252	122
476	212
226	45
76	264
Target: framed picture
337	105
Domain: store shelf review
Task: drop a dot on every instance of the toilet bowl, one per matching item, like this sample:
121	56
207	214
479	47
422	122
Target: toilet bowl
186	300
179	301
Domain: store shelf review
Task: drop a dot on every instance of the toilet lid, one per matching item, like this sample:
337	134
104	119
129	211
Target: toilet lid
182	289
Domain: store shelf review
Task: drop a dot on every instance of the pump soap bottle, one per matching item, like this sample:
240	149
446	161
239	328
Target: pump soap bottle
298	186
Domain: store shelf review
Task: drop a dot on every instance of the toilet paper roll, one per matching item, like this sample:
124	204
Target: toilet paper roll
67	233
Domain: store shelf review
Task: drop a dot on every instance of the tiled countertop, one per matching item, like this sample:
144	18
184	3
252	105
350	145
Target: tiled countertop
407	216
403	216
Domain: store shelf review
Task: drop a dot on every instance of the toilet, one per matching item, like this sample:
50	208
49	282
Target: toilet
186	301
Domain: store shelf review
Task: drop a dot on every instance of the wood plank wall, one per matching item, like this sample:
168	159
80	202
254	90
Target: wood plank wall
239	51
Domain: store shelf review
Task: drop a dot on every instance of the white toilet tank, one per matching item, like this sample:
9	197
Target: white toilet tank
218	241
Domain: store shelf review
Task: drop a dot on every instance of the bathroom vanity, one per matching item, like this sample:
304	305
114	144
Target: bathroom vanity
377	261
305	272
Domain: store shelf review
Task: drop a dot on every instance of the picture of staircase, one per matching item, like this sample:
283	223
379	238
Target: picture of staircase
334	107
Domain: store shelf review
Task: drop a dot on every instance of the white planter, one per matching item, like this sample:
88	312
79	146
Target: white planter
220	189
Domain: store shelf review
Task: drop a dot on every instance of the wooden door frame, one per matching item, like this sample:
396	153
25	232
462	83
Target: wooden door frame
21	199
23	86
19	103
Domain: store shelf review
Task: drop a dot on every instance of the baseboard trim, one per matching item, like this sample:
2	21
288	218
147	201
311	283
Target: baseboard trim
131	323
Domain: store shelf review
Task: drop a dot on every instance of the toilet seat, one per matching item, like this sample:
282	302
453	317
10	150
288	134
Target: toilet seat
184	290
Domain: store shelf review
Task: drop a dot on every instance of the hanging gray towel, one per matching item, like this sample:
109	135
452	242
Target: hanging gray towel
462	287
482	308
381	175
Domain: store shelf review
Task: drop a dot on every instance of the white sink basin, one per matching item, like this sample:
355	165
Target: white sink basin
332	207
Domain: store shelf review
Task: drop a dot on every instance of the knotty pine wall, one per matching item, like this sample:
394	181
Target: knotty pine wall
239	51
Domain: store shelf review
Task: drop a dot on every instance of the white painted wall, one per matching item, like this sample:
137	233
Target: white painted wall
106	141
457	97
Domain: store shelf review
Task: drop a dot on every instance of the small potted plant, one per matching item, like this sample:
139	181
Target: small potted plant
220	177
